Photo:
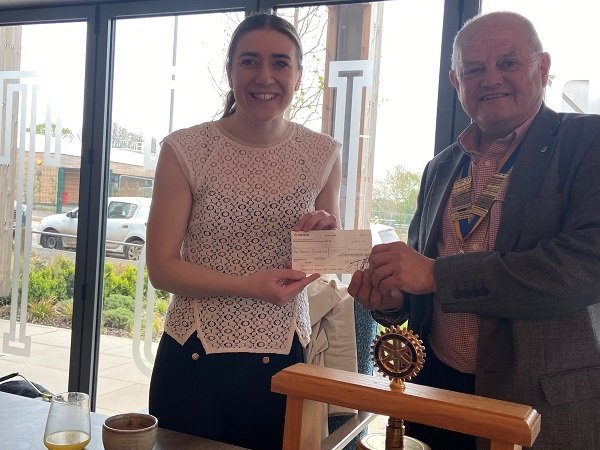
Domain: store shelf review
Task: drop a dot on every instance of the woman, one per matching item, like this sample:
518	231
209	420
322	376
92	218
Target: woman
227	195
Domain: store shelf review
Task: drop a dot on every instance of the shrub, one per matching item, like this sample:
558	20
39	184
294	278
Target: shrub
51	285
119	279
51	280
65	308
157	326
163	295
41	310
118	318
42	285
122	279
116	301
161	306
64	268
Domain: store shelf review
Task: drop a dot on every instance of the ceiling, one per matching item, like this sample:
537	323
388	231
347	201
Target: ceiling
13	3
7	4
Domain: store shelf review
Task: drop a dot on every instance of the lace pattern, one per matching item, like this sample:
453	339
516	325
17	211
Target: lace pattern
245	202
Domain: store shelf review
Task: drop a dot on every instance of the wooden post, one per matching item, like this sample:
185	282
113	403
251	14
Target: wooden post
303	429
10	59
508	425
349	37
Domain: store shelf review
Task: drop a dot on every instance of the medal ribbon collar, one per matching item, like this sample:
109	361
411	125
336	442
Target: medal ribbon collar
468	216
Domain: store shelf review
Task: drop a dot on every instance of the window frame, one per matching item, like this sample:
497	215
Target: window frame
101	17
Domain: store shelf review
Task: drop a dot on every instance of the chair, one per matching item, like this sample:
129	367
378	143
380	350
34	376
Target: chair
345	432
330	305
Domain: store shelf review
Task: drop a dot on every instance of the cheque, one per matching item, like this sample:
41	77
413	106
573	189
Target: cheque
330	251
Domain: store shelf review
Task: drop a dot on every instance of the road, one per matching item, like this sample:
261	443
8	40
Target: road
49	253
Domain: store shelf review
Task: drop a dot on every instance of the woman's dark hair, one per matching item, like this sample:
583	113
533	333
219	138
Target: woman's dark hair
259	22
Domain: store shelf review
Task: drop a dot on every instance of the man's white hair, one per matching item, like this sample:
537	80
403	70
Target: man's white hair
532	36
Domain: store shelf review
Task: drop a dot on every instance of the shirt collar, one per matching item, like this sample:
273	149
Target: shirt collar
469	139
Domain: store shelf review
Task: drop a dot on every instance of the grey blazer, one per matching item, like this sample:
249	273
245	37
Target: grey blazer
538	292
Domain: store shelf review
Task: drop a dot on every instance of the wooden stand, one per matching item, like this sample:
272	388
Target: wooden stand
508	425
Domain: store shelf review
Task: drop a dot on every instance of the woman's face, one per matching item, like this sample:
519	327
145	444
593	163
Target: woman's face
264	74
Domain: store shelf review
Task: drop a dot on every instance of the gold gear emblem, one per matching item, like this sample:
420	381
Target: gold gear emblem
399	354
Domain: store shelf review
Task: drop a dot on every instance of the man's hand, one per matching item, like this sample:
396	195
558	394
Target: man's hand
396	266
393	268
362	290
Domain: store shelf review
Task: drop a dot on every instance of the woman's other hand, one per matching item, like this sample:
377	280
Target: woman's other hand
316	220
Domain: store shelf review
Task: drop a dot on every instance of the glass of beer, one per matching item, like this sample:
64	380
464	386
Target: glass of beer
68	423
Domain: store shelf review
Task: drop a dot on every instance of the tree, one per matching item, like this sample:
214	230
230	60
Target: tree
66	133
311	24
121	137
395	197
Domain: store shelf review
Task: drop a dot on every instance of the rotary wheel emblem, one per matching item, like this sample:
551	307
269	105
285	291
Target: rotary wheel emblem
398	354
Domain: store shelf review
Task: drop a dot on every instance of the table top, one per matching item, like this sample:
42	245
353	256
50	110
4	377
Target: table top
22	423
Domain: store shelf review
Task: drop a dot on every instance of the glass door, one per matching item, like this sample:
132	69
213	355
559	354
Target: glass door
367	84
41	93
359	85
169	73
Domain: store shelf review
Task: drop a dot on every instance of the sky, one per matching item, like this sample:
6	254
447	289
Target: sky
142	90
408	82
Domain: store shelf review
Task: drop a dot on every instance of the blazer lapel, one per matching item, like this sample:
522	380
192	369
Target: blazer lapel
528	173
438	193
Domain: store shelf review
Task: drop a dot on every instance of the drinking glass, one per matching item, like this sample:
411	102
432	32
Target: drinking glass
68	423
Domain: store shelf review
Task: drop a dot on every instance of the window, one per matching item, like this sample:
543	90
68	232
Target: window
365	83
379	99
39	174
574	84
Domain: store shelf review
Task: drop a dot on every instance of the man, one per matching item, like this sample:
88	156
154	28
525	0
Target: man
501	274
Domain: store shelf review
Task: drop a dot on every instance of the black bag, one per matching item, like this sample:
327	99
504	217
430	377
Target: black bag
23	387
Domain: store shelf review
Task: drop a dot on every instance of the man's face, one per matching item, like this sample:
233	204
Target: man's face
498	77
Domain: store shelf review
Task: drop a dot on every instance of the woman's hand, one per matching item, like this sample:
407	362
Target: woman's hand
316	220
278	286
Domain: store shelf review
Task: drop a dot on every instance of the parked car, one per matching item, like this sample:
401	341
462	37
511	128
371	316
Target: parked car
23	215
383	234
126	224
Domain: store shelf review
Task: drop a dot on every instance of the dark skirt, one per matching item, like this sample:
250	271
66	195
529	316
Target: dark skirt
225	397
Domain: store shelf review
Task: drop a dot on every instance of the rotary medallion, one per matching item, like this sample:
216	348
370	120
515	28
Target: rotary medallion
398	354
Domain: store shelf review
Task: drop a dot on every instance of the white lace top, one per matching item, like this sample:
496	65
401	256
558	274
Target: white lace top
246	199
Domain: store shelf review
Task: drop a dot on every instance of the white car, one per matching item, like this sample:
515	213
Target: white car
126	224
23	215
383	234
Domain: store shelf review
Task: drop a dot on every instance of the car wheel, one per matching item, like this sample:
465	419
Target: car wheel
51	241
132	252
